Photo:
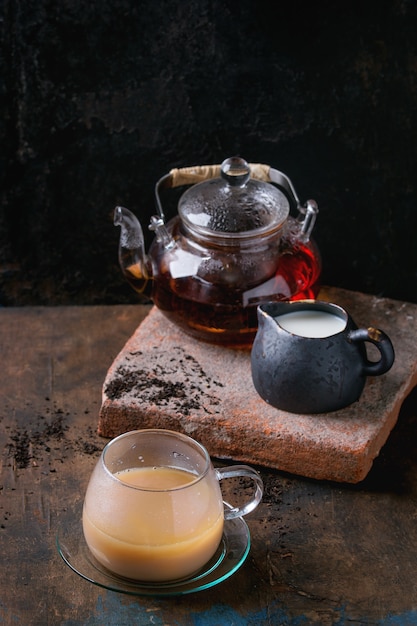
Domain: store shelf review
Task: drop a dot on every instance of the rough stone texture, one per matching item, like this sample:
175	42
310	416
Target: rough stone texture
162	378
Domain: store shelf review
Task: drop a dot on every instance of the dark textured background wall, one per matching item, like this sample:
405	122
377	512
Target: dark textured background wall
101	98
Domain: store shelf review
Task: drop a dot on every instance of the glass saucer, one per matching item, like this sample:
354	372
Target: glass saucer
231	554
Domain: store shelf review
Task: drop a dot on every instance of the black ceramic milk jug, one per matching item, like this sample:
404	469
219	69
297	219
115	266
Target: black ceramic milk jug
310	357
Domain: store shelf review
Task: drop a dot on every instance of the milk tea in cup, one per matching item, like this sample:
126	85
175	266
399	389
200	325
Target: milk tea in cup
153	509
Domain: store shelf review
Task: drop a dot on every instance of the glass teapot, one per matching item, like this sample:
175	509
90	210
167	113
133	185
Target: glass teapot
232	246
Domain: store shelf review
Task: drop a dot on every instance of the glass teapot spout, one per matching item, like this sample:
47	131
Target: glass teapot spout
132	257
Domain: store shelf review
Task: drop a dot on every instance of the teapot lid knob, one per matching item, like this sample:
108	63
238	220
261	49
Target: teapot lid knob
235	171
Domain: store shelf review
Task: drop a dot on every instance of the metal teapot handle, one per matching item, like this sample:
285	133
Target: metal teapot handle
307	213
196	174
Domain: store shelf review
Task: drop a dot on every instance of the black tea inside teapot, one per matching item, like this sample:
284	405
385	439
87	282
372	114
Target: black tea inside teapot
232	246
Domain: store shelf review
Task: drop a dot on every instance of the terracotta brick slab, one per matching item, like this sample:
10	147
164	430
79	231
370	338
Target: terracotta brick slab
164	379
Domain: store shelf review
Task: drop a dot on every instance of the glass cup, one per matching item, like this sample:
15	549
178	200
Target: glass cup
153	509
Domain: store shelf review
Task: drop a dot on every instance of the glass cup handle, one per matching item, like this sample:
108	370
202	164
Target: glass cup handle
235	472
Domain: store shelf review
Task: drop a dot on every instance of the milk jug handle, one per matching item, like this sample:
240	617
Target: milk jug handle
382	342
238	471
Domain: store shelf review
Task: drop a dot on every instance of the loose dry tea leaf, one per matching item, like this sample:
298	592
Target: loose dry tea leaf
46	432
20	449
180	382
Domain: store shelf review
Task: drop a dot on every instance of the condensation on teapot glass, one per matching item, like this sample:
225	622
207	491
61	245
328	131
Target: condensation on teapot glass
233	206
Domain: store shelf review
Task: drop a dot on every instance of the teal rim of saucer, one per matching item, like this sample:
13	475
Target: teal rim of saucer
230	555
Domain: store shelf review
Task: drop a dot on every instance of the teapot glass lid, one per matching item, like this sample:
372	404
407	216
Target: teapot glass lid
233	205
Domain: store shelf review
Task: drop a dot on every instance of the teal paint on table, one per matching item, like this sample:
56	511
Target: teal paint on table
110	611
405	619
222	615
226	616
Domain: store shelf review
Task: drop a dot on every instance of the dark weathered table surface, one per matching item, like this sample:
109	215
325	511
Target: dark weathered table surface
321	553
